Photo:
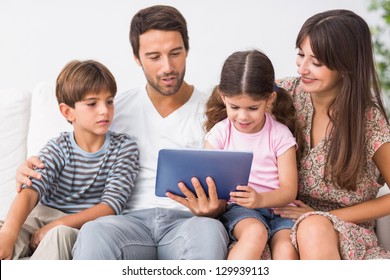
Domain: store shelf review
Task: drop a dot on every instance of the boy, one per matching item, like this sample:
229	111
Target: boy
88	173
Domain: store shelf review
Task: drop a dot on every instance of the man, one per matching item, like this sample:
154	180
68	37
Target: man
167	113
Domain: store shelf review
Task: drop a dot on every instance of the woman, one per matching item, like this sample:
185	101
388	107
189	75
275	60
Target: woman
346	153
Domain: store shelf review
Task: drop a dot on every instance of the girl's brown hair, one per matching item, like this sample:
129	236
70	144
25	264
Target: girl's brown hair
252	73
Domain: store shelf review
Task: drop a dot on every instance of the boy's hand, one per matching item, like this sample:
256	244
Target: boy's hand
26	171
7	244
247	197
37	236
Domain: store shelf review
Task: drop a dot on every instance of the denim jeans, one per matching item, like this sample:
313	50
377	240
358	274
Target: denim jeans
155	233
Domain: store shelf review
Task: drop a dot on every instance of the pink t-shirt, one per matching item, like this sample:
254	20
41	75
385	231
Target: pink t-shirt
267	145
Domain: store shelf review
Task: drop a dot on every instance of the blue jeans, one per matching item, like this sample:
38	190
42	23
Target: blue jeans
271	221
155	233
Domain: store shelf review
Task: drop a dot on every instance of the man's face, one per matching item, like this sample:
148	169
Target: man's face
162	56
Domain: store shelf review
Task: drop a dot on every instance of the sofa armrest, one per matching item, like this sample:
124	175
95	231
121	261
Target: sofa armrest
382	225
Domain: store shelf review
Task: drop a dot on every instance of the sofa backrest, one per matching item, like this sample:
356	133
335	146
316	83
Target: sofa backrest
14	116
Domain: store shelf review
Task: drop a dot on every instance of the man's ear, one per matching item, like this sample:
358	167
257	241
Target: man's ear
137	60
67	112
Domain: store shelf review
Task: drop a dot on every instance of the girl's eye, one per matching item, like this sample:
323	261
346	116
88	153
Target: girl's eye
91	104
110	102
253	108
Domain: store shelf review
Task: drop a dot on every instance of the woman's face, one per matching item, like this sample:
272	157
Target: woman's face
315	76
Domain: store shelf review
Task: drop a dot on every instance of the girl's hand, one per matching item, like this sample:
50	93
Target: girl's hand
292	212
246	196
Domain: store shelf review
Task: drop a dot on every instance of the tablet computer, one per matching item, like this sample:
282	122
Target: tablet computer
228	169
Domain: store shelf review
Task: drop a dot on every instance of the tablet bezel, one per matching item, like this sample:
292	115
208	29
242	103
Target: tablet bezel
227	168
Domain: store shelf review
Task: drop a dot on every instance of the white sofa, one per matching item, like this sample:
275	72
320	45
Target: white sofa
30	119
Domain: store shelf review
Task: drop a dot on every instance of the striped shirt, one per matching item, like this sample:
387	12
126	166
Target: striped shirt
74	180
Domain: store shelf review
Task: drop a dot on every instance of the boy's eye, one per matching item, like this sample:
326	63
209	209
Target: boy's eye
110	102
91	104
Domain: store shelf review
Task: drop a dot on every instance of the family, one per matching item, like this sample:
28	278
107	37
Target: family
321	145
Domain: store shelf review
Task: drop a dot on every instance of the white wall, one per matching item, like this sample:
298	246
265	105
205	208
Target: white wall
38	37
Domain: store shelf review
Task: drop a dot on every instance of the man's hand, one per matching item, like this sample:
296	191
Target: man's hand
26	171
201	204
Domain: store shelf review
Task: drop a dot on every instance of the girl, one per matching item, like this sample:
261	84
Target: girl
237	119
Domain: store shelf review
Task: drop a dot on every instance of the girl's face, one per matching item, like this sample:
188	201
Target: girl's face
246	114
315	76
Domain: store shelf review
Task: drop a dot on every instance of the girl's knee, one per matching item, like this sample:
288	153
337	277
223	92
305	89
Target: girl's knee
250	229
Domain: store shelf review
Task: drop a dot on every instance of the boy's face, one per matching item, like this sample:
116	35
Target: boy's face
162	56
94	114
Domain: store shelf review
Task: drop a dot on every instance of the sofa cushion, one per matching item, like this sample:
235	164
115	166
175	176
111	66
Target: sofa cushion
46	120
14	115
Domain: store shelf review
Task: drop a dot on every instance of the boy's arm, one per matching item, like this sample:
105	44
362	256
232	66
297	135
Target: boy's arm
21	207
73	220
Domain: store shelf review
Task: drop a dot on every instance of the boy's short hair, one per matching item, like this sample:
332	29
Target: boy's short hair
158	17
79	78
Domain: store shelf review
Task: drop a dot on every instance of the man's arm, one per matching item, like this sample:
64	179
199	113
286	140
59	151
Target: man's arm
26	171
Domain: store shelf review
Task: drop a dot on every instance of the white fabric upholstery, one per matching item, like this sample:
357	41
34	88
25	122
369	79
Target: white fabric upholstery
14	116
46	120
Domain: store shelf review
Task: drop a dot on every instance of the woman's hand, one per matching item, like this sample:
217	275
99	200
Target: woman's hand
292	212
26	171
201	204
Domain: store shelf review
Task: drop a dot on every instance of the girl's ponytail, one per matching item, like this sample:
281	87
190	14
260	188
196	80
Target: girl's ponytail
215	110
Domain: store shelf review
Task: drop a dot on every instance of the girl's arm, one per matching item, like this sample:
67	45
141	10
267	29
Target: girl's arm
375	208
285	194
21	207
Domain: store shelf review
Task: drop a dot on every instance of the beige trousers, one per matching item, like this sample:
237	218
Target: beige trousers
57	243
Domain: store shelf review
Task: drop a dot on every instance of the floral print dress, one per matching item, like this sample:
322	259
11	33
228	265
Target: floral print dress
356	241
